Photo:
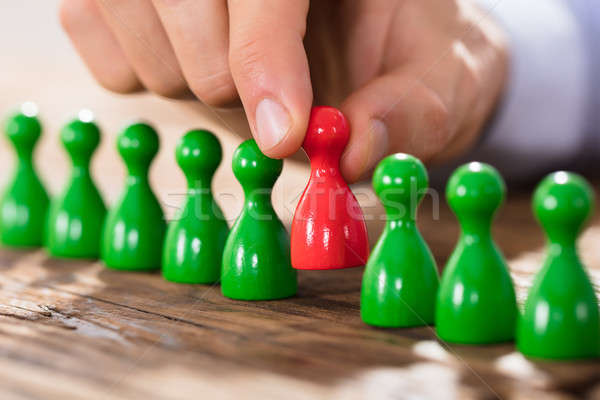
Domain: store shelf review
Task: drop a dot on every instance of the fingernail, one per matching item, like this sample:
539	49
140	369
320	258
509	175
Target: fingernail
379	142
272	123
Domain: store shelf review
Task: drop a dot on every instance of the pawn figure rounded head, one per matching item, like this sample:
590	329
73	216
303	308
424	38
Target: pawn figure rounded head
198	153
475	189
252	168
400	179
23	128
562	202
328	132
138	144
81	137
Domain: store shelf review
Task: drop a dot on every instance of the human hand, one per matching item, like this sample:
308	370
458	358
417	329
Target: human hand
414	76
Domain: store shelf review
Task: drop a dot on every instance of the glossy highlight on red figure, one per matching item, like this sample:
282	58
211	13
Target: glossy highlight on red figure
328	230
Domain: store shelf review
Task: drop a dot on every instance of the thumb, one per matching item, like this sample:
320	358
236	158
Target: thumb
270	69
393	113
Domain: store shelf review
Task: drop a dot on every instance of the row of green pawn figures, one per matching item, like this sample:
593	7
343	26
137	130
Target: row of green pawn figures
252	261
474	301
473	304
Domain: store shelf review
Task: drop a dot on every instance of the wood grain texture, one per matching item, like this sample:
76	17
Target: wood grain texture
73	329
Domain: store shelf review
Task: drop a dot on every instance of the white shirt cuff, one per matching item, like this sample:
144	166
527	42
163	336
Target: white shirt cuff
540	123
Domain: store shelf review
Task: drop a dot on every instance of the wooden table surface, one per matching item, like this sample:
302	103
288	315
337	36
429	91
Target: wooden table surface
72	329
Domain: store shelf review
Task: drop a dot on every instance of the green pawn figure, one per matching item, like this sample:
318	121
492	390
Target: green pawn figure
560	318
256	260
193	251
24	205
400	281
135	225
76	216
476	302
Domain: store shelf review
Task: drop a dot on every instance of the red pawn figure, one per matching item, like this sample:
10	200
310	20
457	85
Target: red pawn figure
328	230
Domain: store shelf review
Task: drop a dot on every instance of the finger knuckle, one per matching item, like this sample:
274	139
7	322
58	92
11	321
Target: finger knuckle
166	88
214	88
471	80
246	55
467	65
123	82
436	117
472	76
